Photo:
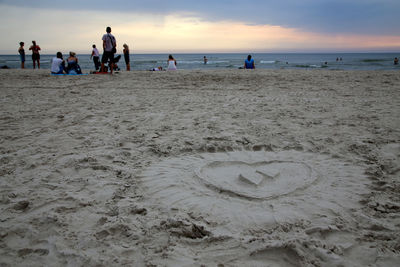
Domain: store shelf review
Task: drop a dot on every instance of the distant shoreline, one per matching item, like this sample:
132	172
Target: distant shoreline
225	53
331	61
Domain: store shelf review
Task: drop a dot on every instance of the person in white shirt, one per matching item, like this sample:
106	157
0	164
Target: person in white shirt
58	64
171	63
109	46
96	57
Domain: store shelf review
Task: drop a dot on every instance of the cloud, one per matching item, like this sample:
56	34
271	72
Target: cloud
144	33
323	16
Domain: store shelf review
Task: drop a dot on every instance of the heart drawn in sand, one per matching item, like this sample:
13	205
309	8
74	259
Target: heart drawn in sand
259	180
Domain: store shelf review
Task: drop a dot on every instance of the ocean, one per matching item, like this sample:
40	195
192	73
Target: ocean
329	61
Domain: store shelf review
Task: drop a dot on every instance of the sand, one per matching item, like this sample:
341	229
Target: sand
200	168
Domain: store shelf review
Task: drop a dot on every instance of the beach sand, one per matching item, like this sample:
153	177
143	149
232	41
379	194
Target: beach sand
200	168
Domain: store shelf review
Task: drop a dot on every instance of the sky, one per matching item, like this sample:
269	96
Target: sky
188	26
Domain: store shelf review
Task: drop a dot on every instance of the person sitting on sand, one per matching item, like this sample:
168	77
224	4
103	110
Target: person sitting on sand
249	63
21	52
73	66
171	63
35	54
159	68
396	61
58	64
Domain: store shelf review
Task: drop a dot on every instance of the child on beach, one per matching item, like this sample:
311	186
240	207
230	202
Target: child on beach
21	52
35	54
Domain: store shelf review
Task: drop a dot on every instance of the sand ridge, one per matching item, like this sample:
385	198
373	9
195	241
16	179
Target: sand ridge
81	162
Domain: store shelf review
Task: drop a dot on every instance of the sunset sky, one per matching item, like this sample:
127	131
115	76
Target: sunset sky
188	26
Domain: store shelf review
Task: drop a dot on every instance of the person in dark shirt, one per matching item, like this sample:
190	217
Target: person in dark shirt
126	57
21	52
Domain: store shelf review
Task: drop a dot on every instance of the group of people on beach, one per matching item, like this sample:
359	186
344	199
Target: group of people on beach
248	64
108	57
58	64
35	54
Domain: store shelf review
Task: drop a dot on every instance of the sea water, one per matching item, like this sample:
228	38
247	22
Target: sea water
329	61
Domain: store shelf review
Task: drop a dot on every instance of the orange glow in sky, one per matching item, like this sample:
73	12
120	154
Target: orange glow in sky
171	34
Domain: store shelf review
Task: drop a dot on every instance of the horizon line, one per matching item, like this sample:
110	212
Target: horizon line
249	52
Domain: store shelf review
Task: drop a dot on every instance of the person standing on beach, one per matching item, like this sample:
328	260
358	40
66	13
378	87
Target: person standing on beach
126	57
396	61
205	60
21	52
35	54
109	49
96	57
249	63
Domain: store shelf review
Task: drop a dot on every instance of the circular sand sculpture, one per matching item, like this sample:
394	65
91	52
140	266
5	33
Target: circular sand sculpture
248	190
